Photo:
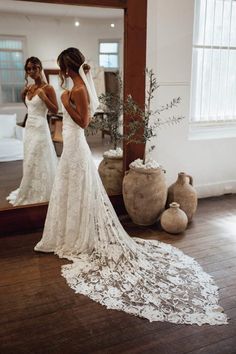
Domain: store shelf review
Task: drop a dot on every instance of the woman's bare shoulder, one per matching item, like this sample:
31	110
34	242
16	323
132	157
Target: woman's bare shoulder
79	91
48	87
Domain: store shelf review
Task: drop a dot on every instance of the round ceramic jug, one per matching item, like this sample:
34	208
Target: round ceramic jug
174	220
111	172
183	192
144	193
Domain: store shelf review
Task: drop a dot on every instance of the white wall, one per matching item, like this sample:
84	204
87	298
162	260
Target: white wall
210	161
47	36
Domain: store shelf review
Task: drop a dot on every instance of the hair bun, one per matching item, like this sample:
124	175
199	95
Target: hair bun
86	68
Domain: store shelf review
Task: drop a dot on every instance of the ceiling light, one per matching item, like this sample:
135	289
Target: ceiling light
112	25
77	23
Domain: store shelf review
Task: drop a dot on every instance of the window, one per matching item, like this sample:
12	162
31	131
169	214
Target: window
213	87
11	68
109	54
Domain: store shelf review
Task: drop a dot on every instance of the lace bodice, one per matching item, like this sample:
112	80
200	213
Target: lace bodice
36	107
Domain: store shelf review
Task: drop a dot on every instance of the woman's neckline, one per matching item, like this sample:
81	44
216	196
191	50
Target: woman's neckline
29	99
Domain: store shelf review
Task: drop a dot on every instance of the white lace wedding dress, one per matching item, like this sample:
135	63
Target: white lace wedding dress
40	159
146	278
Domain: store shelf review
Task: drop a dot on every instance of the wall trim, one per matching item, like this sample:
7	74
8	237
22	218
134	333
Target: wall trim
174	83
216	189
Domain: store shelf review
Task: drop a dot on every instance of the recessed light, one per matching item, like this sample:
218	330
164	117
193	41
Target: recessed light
76	23
112	25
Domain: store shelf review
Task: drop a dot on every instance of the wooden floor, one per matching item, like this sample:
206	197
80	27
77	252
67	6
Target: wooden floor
10	177
39	313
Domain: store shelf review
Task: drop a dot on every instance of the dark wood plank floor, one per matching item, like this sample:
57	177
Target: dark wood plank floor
10	178
39	313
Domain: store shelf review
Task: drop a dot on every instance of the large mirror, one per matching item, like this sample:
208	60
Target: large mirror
43	29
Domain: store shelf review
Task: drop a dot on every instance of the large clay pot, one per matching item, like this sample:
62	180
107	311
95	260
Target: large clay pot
182	192
111	172
174	220
144	193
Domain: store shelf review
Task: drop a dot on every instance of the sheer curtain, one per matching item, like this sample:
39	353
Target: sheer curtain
213	87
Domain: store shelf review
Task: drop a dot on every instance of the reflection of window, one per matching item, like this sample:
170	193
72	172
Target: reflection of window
214	62
109	54
11	68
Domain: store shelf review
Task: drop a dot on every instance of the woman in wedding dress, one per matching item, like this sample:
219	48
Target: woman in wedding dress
145	278
40	160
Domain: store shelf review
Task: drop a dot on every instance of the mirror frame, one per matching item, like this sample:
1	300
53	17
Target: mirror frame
32	217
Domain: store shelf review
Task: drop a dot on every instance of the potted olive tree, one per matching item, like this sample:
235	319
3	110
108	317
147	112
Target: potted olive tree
144	185
111	167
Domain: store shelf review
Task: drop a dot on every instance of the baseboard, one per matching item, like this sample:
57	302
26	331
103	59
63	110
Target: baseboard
216	189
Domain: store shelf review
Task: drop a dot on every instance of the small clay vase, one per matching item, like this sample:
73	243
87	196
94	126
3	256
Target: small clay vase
183	192
174	220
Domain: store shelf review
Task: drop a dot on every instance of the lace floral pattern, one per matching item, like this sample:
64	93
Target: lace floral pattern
168	286
145	278
40	160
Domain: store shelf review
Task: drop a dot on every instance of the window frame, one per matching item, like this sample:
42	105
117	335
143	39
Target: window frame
110	40
23	39
206	128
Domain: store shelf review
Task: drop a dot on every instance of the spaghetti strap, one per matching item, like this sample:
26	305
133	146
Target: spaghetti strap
70	92
70	100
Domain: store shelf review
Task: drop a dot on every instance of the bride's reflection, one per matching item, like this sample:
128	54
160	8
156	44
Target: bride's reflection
103	47
40	158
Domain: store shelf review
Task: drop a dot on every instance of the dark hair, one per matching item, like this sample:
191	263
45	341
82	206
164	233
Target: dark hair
71	58
35	61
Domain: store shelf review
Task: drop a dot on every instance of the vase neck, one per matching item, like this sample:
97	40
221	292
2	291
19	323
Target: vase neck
174	205
181	178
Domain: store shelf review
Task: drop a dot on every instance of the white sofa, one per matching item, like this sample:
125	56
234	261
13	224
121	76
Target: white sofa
11	138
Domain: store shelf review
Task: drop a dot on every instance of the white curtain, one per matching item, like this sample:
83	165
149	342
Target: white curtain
213	87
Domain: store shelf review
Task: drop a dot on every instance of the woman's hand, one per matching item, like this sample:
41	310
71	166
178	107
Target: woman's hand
42	94
48	96
79	112
65	98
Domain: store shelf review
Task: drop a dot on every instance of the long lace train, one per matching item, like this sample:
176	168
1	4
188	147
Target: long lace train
145	278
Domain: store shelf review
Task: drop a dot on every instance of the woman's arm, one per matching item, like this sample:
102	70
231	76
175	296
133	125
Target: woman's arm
79	114
24	93
48	95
